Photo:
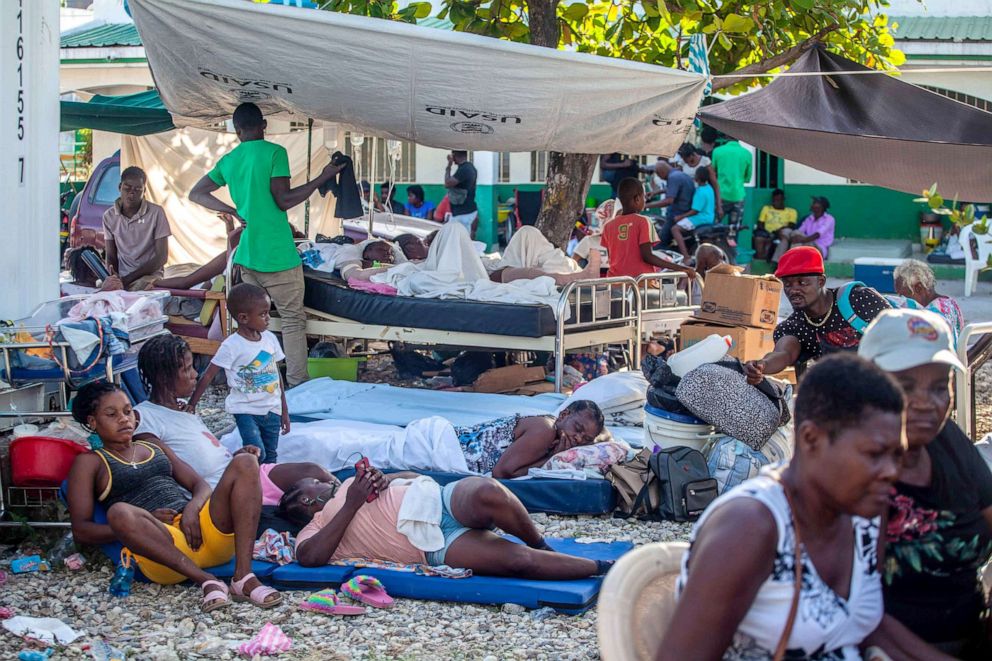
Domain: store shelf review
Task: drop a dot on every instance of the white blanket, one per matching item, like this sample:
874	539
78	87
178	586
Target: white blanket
426	444
529	249
453	269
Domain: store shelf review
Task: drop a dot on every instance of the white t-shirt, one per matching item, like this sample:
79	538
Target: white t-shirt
188	437
691	169
252	373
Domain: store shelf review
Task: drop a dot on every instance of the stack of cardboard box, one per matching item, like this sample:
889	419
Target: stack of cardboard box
745	307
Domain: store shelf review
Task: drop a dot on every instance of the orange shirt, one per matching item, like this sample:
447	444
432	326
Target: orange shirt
622	238
372	533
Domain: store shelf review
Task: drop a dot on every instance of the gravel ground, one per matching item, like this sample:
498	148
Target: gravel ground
165	622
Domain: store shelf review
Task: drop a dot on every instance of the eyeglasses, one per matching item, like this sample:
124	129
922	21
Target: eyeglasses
321	499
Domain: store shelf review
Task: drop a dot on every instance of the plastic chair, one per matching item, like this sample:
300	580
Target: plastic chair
974	264
637	601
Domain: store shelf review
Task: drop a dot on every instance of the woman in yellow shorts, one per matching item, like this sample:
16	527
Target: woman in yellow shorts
144	487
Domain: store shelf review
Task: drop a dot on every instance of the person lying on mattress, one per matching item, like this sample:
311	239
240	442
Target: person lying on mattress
340	524
160	509
509	447
414	248
530	255
165	365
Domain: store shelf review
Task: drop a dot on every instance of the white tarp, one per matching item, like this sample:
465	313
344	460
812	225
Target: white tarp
175	160
434	87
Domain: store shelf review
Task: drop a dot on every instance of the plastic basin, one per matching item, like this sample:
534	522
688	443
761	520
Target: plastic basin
341	369
42	461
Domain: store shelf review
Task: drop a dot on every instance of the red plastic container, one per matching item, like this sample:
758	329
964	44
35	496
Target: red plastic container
42	461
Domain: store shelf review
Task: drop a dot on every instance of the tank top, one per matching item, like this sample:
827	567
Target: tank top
147	484
827	626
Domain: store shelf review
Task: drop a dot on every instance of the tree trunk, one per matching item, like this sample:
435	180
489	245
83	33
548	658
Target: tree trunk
567	187
567	183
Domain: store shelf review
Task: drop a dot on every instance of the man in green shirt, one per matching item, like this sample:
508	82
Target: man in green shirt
732	163
256	174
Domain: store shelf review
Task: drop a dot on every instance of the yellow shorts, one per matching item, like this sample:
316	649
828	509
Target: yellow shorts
216	549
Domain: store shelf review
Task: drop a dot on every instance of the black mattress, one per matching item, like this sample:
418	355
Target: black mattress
331	295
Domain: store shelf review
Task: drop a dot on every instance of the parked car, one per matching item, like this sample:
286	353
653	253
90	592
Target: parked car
86	225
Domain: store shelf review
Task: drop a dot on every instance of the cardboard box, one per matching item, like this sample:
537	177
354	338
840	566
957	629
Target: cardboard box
748	343
732	298
508	379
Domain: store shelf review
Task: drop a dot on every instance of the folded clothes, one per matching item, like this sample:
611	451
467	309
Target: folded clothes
277	547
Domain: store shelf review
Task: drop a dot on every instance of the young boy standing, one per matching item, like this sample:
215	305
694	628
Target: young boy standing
257	176
250	358
629	238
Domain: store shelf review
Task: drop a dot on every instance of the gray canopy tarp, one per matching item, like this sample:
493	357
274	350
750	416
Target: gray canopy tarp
871	128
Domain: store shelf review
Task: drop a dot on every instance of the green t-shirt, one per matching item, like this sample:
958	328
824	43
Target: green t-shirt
733	170
267	242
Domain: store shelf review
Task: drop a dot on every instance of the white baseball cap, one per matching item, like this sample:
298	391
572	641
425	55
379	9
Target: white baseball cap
902	339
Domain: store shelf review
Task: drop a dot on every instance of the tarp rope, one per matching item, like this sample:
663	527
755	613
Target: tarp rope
869	72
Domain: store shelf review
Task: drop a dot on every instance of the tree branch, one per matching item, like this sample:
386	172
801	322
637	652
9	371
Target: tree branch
776	61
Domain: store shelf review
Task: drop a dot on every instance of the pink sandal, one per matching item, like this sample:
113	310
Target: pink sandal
328	603
367	590
220	598
257	596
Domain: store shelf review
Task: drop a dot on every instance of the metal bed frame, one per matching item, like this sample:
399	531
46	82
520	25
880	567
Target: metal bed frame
594	323
661	311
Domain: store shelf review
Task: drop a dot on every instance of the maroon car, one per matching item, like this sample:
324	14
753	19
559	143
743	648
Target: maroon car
86	225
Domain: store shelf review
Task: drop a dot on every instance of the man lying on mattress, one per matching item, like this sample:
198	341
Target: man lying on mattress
412	520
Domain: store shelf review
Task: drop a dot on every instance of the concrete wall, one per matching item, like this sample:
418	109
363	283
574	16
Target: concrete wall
29	151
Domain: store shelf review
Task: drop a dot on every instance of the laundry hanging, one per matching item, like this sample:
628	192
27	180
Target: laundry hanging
437	88
870	128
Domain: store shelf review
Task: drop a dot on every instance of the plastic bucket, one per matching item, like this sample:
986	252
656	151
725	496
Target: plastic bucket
340	369
668	430
42	461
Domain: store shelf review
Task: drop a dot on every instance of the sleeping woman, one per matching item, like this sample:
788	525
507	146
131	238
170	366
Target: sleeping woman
509	447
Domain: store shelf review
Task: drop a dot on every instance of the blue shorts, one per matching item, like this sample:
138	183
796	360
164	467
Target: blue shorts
450	526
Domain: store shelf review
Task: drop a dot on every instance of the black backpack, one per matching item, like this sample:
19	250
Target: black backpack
684	481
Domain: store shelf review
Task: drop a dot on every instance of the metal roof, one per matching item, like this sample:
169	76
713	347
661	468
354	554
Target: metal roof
942	28
100	36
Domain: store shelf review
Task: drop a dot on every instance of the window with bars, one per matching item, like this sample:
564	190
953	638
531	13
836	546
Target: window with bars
538	166
296	127
973	101
503	173
405	169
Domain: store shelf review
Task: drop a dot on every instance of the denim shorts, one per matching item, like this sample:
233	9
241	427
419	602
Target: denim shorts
450	526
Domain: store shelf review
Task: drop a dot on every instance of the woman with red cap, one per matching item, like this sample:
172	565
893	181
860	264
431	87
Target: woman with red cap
816	326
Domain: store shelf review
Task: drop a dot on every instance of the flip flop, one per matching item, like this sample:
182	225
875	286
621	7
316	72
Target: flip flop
256	596
215	599
328	603
368	590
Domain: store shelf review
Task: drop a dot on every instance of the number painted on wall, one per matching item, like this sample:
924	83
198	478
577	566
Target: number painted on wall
21	102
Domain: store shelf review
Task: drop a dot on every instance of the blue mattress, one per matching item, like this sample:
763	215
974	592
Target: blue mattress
564	596
543	494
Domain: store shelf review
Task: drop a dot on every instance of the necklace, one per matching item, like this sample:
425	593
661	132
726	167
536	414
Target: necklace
818	324
134	451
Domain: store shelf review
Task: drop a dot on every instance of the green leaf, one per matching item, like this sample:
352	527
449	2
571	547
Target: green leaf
737	23
421	9
942	211
577	11
935	201
933	189
724	41
663	11
709	29
805	4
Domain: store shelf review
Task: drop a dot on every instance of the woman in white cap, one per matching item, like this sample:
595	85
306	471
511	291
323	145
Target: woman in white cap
939	530
786	564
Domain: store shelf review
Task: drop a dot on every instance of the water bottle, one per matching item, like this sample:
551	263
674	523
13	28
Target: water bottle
120	584
709	350
61	551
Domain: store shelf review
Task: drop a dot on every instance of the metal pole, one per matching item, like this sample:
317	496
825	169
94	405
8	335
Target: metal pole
306	205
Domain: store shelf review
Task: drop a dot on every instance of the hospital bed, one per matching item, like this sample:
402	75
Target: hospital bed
664	304
589	313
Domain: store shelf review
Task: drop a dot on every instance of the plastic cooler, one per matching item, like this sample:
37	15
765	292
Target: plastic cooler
876	272
665	429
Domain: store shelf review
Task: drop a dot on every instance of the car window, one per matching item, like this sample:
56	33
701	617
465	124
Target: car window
107	190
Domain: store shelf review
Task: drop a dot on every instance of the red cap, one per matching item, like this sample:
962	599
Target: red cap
804	260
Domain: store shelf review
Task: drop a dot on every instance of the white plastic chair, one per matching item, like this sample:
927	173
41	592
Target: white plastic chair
637	601
974	266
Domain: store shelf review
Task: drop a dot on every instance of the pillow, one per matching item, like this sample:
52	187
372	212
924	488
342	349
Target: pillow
599	457
628	418
613	391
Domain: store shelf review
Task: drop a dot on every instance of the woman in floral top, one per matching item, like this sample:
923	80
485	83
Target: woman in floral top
939	529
